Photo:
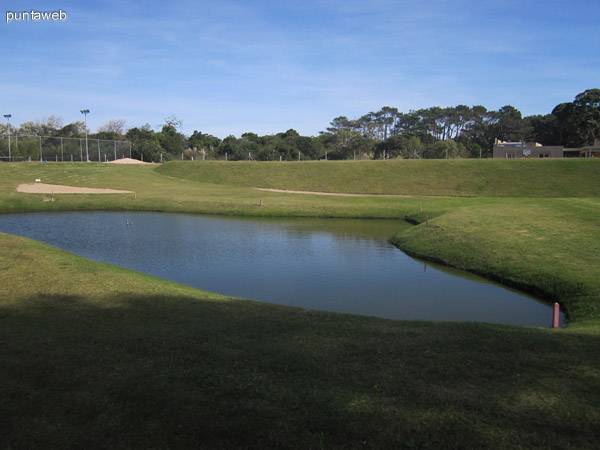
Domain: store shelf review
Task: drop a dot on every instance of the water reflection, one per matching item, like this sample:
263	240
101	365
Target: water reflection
327	264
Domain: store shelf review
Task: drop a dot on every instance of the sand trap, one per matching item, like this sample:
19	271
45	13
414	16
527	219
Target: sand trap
127	161
43	188
350	195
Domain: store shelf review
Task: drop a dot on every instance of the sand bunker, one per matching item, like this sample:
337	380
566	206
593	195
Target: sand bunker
349	195
43	188
127	161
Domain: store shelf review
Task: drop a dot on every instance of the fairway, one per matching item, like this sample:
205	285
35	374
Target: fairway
96	356
548	178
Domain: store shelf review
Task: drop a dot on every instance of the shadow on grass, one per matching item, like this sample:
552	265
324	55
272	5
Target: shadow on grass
176	372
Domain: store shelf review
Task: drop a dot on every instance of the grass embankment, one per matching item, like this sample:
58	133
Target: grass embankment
142	363
157	192
458	177
92	356
550	248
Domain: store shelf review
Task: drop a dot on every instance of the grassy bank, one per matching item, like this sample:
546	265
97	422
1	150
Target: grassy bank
458	177
93	356
144	363
549	248
157	192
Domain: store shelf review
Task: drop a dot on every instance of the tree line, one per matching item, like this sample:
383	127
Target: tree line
452	132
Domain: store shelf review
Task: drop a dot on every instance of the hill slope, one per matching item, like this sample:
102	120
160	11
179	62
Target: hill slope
487	178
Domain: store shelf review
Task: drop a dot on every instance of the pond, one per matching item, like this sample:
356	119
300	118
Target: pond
334	265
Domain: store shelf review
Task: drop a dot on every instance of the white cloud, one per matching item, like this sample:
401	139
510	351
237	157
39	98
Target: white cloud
270	66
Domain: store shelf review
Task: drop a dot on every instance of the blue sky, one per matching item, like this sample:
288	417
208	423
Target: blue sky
232	66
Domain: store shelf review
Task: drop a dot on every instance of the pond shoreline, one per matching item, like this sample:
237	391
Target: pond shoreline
351	265
414	220
521	286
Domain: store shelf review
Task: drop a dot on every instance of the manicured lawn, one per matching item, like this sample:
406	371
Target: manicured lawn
550	247
94	356
458	177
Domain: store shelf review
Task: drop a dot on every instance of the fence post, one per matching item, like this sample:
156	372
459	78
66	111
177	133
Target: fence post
99	156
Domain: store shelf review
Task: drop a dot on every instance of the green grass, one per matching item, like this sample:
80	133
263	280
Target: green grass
143	363
93	356
156	192
459	177
548	247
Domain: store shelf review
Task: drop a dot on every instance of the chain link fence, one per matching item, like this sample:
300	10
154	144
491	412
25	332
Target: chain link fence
61	149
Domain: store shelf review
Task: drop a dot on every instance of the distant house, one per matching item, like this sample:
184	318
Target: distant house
593	151
503	149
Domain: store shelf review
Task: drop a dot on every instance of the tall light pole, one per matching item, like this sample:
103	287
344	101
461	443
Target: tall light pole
7	117
85	112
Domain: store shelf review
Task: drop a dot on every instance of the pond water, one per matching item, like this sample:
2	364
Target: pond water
334	265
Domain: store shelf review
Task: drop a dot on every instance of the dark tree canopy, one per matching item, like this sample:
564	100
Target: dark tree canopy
436	132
